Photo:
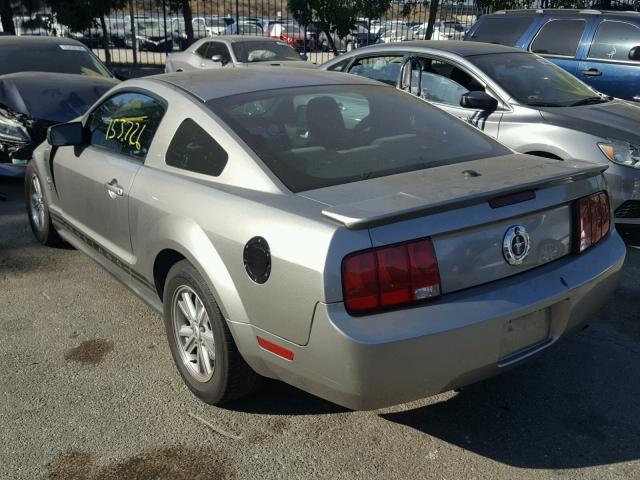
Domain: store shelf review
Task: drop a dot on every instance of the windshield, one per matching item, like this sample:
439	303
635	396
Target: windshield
264	51
535	81
151	25
314	137
215	22
53	58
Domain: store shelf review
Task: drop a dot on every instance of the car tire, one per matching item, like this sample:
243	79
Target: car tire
228	377
38	210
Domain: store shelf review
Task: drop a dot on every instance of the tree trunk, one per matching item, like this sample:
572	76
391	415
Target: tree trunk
332	44
134	44
105	40
433	11
6	17
188	20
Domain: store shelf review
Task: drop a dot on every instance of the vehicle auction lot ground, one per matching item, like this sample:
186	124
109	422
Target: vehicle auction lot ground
89	391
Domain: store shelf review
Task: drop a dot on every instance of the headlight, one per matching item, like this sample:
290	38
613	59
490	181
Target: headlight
12	131
622	153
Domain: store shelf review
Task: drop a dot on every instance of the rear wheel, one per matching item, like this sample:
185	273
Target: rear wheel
200	341
38	210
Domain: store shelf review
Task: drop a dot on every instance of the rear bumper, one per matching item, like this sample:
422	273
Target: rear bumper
380	360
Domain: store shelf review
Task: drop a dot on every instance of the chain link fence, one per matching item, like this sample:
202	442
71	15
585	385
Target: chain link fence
145	32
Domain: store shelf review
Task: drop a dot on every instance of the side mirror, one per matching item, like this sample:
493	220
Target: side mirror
122	73
478	101
217	58
65	134
634	53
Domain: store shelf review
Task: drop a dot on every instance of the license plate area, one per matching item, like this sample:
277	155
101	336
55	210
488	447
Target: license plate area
523	334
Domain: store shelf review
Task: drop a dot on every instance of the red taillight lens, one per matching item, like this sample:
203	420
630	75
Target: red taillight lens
592	222
390	276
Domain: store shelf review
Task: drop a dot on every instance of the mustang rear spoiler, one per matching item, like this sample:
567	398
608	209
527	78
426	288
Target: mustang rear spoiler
448	189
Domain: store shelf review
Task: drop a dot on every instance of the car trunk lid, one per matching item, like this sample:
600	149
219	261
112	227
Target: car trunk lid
467	210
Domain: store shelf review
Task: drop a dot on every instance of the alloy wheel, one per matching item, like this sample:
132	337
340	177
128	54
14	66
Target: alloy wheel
36	203
193	334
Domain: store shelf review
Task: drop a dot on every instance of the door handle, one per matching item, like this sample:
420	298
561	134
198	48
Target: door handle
592	72
113	189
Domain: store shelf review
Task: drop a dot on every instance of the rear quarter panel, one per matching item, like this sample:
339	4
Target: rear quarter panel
209	220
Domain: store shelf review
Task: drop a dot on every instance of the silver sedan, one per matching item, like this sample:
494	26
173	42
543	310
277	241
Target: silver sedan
521	99
325	230
235	51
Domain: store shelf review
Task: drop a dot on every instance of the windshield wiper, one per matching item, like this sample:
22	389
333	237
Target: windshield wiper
543	104
589	101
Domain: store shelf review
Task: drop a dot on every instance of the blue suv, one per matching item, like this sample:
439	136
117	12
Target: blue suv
601	48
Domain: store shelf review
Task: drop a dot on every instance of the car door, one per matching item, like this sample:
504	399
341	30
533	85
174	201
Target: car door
442	82
608	67
560	39
93	180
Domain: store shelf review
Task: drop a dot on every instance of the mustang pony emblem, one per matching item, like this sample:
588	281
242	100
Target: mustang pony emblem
516	245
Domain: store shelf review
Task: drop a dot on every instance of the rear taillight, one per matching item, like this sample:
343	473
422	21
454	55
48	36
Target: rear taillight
391	276
592	220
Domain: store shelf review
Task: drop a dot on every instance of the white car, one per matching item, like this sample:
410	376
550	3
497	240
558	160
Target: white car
234	51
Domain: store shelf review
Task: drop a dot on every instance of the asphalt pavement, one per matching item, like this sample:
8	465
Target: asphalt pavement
89	391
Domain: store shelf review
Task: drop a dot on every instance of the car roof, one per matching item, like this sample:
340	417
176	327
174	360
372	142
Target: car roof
565	11
241	38
464	49
28	40
209	84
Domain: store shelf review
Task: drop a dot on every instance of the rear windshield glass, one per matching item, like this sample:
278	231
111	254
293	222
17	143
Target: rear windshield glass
501	30
264	51
54	58
534	80
314	137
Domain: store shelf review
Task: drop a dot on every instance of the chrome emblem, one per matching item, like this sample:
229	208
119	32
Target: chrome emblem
516	245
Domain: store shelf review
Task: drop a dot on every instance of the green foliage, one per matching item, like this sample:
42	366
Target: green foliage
493	5
338	14
80	15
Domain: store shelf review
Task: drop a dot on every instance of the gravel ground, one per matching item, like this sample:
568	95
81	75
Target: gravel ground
89	391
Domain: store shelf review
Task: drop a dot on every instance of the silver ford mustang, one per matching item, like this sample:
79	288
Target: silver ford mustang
326	230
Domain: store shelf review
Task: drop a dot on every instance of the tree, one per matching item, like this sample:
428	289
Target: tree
6	17
338	15
183	6
79	15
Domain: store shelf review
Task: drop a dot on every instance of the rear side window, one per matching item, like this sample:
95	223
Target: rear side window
503	31
559	37
614	40
126	123
383	69
340	66
195	150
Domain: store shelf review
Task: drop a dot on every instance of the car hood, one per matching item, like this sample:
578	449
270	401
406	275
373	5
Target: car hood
617	119
51	97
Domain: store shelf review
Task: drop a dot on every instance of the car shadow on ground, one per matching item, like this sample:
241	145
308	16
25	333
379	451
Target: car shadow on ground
575	406
278	398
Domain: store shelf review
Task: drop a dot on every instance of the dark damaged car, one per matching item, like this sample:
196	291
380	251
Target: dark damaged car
43	81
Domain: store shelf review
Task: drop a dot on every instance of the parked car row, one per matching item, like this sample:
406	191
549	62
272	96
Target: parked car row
443	208
521	99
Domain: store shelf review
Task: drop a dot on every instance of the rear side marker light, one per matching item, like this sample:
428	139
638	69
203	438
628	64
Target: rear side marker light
593	216
275	348
390	276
